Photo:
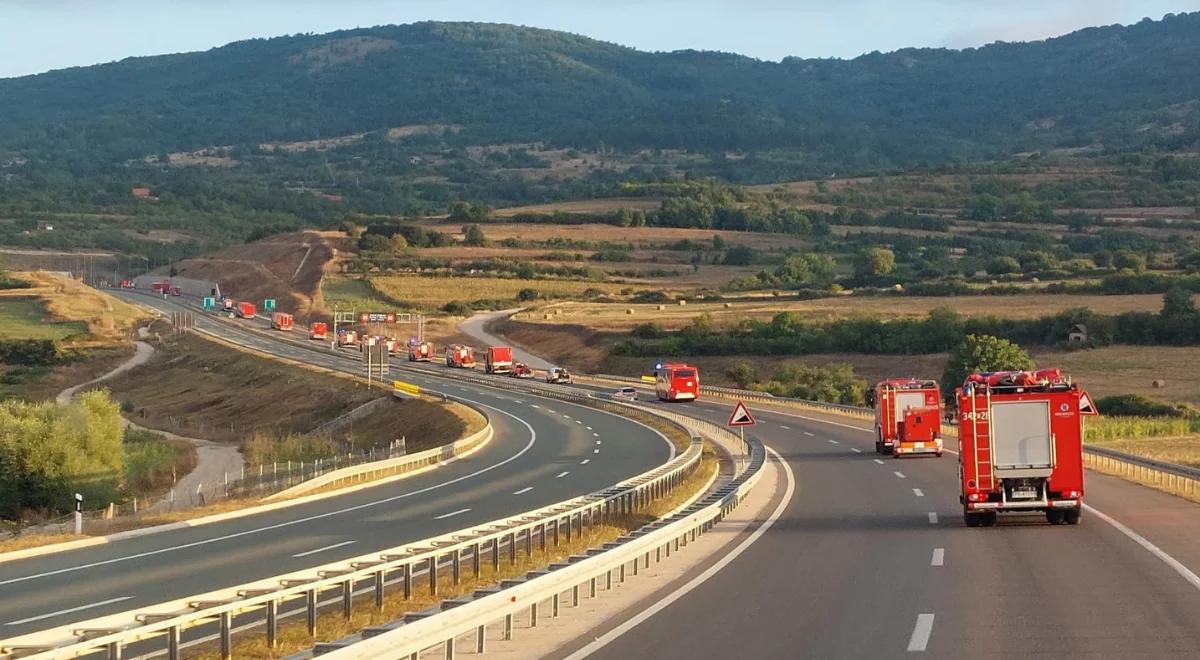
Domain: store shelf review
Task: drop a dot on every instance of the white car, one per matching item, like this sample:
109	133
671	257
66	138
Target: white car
625	393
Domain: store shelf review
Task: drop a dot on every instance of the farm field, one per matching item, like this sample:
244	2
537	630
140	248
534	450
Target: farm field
429	292
615	317
26	318
644	236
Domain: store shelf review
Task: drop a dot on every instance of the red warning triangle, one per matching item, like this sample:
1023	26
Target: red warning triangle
1086	407
741	416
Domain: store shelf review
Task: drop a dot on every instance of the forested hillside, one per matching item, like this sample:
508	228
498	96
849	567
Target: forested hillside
1115	86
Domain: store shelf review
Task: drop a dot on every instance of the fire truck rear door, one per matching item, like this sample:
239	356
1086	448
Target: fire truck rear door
1021	441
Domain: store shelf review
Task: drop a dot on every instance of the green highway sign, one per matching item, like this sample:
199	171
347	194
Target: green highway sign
210	303
269	304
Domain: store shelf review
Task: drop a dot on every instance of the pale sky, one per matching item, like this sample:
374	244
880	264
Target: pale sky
40	35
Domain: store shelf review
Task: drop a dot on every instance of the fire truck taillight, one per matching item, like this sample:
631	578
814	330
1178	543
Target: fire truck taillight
1072	494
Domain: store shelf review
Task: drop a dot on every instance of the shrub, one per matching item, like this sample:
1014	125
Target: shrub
1136	405
457	308
979	353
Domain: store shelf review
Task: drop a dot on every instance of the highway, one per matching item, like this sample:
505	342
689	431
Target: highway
544	451
871	559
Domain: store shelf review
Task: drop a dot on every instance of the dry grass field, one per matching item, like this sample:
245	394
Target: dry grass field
644	236
605	316
431	292
57	307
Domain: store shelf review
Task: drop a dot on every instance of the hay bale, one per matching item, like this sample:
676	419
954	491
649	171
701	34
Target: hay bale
546	317
728	305
898	287
1158	384
558	312
629	311
661	307
682	303
1036	280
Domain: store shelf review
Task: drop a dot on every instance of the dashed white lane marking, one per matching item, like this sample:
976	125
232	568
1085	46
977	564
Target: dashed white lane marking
921	632
932	517
589	428
451	514
596	435
562	474
566	415
809	434
523	490
879	461
918	492
595	451
518	401
578	422
834	442
585	461
328	547
534	405
939	557
597	442
856	450
899	474
73	609
785	428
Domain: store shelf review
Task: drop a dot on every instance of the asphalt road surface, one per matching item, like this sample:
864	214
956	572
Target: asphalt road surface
544	451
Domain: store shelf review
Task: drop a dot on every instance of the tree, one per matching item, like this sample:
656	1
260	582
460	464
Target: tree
1103	258
348	228
1190	261
1177	301
525	295
738	255
473	236
718	243
743	374
1038	261
1003	266
981	353
1130	261
398	242
374	243
874	262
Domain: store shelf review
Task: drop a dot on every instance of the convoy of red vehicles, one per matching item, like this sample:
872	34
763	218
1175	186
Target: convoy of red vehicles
1020	433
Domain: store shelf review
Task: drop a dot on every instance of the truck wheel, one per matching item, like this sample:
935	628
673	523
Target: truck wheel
878	447
972	519
989	518
1072	516
1054	516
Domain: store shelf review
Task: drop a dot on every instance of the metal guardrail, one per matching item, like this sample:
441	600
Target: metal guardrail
498	605
114	632
1169	477
392	466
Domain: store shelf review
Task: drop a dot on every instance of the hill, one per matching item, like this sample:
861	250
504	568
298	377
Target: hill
1119	86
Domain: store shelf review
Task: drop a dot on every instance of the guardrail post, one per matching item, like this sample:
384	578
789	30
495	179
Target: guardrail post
380	579
272	624
456	565
173	643
575	596
347	599
647	560
542	536
636	561
658	555
508	627
408	581
450	649
512	549
481	639
592	588
533	612
496	554
608	580
226	636
570	525
557	524
621	577
475	559
554	608
433	581
114	651
311	611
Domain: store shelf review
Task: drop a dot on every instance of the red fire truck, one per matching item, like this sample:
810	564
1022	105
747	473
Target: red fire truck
677	382
908	417
319	330
420	352
462	357
1021	438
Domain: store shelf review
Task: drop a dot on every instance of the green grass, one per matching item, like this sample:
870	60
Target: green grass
24	318
152	463
1108	429
346	294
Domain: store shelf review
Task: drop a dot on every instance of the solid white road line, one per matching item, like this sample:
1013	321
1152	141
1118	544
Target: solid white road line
921	632
585	461
328	547
562	474
879	461
73	609
1183	571
918	492
939	557
899	474
523	490
610	636
932	517
856	450
300	521
451	514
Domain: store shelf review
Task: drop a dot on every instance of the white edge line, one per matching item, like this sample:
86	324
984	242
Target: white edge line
328	547
639	618
73	609
1184	572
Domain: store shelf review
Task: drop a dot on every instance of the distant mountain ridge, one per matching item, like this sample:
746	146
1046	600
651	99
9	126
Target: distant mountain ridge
1118	87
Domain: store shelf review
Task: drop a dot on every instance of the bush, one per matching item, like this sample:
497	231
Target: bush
1003	266
525	295
1136	405
648	331
262	449
32	352
742	373
982	353
651	297
457	308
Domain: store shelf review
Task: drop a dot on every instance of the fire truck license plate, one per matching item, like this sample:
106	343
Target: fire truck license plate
1024	493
